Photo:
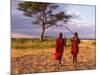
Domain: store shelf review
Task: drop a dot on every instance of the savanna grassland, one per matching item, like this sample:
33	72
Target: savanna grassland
34	56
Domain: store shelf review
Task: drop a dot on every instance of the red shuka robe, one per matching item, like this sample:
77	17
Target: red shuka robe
59	48
74	46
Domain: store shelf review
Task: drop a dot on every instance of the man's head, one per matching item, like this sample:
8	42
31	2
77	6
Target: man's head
60	34
75	34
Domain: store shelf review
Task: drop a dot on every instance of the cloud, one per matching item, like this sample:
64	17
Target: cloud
74	14
18	35
77	13
77	22
77	19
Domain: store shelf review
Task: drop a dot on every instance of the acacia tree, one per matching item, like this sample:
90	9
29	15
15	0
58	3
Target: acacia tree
44	14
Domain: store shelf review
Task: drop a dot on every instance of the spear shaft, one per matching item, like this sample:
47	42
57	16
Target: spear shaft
69	29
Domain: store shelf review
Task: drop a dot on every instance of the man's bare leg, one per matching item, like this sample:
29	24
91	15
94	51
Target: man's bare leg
73	59
59	61
75	62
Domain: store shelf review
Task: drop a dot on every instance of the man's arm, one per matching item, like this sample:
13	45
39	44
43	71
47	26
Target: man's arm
78	41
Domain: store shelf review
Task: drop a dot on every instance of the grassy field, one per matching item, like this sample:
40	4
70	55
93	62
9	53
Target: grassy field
34	56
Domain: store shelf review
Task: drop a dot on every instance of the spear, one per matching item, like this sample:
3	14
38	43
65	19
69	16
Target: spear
69	29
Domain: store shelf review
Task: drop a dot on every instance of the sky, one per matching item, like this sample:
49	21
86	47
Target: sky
21	26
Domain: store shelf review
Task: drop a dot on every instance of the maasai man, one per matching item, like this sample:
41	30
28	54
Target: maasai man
60	43
74	47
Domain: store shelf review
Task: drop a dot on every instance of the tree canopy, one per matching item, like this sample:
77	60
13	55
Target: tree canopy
44	14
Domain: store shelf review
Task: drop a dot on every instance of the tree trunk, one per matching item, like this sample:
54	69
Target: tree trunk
42	34
43	14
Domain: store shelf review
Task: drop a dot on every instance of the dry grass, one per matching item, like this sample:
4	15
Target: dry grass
41	60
